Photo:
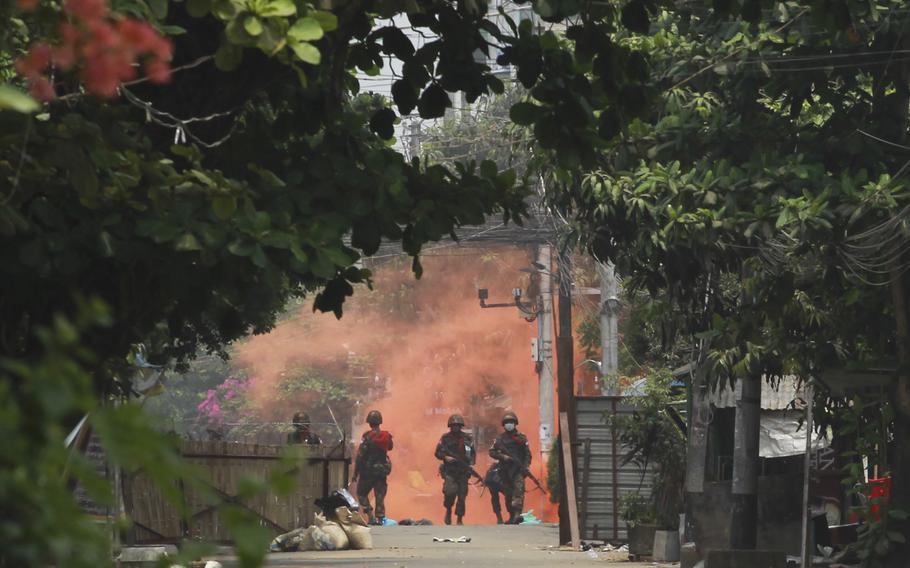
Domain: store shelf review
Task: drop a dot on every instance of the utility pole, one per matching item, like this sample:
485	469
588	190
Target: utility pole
609	334
565	376
545	353
744	515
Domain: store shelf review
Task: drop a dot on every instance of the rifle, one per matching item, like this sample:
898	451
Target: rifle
524	469
471	470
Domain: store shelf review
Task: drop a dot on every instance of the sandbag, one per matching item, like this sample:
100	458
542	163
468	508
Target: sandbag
287	542
306	540
321	539
337	534
360	537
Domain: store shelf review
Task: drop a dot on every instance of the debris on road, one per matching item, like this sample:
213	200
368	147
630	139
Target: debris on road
459	539
412	522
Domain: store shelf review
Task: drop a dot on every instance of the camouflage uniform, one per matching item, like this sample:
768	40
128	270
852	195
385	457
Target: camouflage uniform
455	474
515	445
493	482
372	468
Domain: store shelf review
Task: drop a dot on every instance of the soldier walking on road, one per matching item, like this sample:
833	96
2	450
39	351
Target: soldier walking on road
512	452
456	450
372	467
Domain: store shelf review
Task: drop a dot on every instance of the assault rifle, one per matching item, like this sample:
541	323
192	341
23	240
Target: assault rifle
464	463
524	469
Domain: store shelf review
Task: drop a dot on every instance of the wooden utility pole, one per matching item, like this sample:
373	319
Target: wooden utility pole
565	371
744	514
566	448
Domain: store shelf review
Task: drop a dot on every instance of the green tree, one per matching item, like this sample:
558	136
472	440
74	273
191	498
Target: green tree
752	196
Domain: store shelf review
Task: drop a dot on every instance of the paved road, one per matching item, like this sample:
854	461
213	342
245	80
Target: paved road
532	546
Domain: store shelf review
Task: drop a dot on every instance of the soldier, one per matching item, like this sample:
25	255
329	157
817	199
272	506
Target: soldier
372	467
493	482
512	452
456	450
302	433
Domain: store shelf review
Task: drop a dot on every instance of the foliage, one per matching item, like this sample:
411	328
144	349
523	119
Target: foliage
482	132
655	444
866	424
762	195
635	509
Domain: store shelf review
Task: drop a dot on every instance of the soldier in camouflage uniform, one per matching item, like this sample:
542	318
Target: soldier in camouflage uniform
512	452
372	467
456	450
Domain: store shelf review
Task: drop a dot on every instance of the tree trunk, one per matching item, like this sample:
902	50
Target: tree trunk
744	513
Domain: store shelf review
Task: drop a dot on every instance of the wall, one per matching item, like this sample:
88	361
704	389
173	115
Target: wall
780	500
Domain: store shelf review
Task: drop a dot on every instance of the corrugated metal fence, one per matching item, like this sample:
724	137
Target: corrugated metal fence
317	470
601	479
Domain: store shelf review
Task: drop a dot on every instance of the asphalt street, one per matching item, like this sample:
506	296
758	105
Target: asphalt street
527	546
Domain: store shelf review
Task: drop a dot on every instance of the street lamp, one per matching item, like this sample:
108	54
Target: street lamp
529	309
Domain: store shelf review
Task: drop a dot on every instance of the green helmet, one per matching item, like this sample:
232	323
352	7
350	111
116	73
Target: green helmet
374	418
509	417
456	419
302	418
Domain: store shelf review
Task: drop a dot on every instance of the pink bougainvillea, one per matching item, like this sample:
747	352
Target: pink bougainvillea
221	399
104	48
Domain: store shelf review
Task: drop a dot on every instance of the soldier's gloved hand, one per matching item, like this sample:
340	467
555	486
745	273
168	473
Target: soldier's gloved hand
449	459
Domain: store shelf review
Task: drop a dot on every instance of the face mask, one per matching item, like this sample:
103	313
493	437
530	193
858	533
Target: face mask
510	427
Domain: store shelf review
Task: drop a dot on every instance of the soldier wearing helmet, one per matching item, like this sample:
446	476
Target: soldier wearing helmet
303	434
372	467
512	452
456	450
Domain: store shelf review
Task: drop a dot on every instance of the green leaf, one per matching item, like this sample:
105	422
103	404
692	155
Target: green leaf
224	206
327	20
228	56
14	99
279	8
305	29
524	113
405	96
307	52
159	8
383	123
252	25
198	8
433	102
187	242
635	17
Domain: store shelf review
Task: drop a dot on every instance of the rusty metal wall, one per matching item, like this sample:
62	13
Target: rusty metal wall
601	479
223	465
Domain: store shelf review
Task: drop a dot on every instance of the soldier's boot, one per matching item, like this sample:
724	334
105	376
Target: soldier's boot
448	519
459	521
498	518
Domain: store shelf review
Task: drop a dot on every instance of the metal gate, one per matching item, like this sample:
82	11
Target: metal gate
601	478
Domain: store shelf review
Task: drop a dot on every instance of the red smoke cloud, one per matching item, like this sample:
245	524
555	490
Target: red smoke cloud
441	353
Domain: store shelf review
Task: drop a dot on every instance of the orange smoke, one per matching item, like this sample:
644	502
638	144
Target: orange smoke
440	352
